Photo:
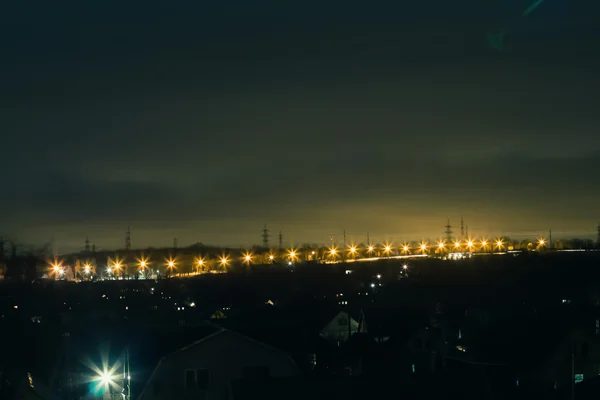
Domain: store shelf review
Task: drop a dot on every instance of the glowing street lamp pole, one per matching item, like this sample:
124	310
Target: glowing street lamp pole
541	243
333	253
370	250
499	245
224	261
199	264
484	245
387	249
87	269
442	248
353	251
247	260
171	265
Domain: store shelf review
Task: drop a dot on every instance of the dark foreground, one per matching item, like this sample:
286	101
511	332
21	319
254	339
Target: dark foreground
489	327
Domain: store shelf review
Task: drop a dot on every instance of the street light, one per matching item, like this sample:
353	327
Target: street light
106	380
352	251
224	261
370	249
171	264
56	266
541	242
333	252
499	244
142	263
387	248
199	263
247	258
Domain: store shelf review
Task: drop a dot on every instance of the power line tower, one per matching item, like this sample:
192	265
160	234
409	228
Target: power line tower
174	243
462	227
598	235
280	237
265	237
87	245
344	249
128	239
448	231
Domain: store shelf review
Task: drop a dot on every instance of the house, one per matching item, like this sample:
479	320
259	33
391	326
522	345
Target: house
546	355
574	357
205	369
340	328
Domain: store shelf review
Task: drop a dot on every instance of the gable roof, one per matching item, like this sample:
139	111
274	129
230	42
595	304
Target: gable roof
219	331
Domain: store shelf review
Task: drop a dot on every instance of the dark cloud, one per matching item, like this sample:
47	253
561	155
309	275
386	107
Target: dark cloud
205	123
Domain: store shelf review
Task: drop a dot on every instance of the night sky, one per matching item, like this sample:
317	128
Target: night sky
205	122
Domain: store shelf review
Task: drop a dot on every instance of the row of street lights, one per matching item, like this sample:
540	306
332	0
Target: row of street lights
293	255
